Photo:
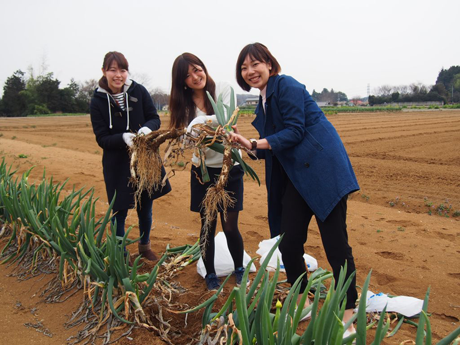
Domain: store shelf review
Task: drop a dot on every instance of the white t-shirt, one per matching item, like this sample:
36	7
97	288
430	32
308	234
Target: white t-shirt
213	159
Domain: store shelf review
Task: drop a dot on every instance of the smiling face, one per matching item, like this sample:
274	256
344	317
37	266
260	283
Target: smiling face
255	73
116	77
196	78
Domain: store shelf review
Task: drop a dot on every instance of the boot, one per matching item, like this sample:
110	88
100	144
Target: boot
146	252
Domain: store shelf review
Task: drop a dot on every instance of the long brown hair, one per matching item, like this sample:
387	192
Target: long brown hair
256	51
109	58
182	109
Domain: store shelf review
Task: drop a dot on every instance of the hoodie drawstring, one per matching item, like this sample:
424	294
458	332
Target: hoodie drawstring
110	112
127	111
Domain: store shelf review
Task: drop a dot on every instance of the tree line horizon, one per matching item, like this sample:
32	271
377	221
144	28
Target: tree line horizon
37	95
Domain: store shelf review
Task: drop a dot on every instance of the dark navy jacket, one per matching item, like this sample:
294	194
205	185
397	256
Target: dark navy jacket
115	159
306	145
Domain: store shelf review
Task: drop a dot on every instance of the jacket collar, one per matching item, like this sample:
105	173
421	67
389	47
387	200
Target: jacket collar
259	121
269	91
271	85
102	93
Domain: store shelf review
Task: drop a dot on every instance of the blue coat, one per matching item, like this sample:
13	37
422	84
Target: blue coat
307	146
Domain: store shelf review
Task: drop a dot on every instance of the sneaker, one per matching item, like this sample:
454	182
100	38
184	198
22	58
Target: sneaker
347	334
212	282
239	272
308	316
305	318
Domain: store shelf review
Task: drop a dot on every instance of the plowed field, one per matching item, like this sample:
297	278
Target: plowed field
407	164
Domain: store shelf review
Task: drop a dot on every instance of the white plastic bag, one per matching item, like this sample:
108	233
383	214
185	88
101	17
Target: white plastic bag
405	305
223	262
266	245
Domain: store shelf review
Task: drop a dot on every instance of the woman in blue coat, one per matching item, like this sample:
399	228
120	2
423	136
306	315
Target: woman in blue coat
119	108
307	168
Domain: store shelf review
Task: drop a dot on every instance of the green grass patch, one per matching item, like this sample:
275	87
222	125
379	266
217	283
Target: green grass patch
58	114
336	110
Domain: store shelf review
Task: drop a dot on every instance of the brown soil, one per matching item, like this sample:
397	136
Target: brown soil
403	161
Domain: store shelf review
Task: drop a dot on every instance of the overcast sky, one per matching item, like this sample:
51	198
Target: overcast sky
344	45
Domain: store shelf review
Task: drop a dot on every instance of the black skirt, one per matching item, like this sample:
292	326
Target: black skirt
234	186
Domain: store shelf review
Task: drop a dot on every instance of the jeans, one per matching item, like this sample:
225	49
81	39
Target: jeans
144	213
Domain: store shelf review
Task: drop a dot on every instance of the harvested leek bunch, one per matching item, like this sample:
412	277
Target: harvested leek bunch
216	195
182	256
146	162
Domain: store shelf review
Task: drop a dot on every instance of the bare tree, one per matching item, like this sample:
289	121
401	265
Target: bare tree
384	90
160	98
403	89
43	64
141	78
86	90
414	88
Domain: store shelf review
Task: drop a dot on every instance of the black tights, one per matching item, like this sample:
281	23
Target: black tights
232	234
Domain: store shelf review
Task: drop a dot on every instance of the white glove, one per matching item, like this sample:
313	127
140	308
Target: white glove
144	130
128	138
210	120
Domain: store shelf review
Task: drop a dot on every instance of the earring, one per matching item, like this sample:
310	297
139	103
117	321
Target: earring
185	87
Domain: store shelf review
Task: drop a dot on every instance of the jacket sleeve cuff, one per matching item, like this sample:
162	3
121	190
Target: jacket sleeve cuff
273	142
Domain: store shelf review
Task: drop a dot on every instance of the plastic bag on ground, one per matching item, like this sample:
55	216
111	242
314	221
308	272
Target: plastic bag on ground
266	245
405	305
223	262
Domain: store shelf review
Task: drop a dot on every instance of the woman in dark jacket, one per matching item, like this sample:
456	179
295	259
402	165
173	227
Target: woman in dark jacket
307	168
119	108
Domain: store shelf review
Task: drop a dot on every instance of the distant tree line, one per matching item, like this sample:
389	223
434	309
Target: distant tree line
41	95
331	97
448	84
446	89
